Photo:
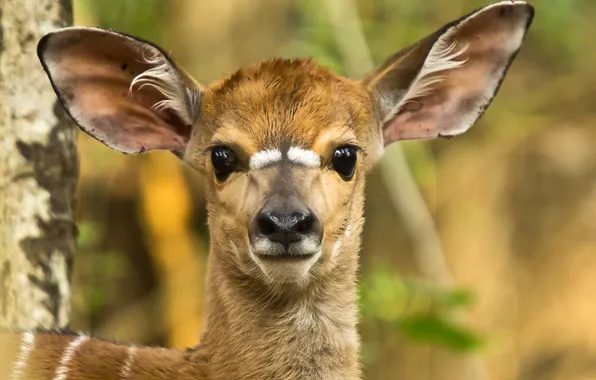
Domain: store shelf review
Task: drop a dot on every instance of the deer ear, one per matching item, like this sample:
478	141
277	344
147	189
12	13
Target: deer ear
441	85
125	92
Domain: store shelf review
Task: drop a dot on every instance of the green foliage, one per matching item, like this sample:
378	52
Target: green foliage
423	170
138	17
383	296
95	265
314	37
435	329
418	310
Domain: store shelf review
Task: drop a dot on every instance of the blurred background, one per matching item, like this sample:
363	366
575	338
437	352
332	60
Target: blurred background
513	200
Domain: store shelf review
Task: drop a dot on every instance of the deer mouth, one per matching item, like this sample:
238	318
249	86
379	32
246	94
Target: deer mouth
287	268
267	250
286	257
286	265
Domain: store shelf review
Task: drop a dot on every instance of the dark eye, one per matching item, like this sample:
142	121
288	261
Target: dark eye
224	161
344	161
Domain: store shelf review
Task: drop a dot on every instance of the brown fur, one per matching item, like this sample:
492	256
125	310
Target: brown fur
263	321
256	329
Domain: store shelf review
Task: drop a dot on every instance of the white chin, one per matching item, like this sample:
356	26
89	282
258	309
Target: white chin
287	269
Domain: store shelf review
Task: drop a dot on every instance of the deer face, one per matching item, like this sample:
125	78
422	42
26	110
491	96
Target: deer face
285	145
285	156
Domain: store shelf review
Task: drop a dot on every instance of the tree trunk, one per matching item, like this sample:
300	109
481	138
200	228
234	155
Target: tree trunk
38	171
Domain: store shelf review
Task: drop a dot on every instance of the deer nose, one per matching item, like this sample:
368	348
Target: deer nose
285	228
286	225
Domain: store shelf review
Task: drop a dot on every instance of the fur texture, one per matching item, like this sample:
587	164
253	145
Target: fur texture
283	119
443	56
166	79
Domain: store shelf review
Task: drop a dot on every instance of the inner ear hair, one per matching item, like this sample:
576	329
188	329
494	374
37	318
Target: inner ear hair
442	84
442	57
122	90
166	78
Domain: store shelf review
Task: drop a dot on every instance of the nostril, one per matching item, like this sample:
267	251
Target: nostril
305	224
266	224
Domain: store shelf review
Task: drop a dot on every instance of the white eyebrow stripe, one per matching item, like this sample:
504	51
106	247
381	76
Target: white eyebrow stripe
71	350
27	344
264	158
304	157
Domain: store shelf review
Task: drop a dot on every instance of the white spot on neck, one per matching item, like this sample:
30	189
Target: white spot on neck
71	350
127	367
304	157
27	344
336	247
338	242
264	158
302	316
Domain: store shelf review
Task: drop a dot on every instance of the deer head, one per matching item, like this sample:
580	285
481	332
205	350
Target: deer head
285	146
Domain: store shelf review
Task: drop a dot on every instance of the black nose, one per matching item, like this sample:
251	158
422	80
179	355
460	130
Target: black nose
286	228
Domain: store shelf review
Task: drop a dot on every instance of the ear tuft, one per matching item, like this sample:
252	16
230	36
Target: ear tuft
162	76
441	58
441	85
98	76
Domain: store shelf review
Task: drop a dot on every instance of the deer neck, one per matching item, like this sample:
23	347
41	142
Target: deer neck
255	331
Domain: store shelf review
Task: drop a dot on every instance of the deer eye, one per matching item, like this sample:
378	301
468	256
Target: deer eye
344	161
224	162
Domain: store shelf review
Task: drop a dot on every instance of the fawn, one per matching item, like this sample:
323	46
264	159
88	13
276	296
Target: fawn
285	146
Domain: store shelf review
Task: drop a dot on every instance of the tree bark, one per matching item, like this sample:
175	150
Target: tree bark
38	170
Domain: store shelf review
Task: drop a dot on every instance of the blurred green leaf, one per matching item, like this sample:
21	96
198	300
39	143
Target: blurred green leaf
384	295
89	234
435	329
420	310
457	298
139	17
